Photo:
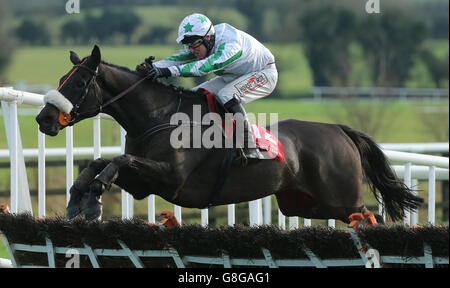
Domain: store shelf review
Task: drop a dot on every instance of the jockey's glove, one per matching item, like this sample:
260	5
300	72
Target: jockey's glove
143	69
156	73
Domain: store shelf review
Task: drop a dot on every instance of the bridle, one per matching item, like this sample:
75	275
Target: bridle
67	119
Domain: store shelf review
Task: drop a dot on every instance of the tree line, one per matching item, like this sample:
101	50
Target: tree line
390	41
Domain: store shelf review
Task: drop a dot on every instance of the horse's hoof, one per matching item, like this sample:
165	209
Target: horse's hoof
96	187
93	209
93	213
72	212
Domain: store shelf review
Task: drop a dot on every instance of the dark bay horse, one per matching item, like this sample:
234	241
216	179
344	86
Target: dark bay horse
320	178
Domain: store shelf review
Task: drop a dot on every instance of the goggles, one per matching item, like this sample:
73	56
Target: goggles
195	44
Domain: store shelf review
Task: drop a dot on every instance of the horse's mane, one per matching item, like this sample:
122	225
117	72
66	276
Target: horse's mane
168	87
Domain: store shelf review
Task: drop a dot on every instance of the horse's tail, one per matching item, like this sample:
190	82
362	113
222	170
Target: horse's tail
396	196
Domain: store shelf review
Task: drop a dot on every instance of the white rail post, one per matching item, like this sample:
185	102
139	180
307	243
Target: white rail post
307	222
97	138
151	209
69	161
231	214
281	220
331	223
431	194
204	217
407	181
177	213
293	222
20	192
415	214
127	199
255	212
10	118
267	210
97	142
41	174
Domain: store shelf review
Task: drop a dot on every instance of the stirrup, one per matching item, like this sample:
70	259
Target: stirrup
240	159
255	153
243	159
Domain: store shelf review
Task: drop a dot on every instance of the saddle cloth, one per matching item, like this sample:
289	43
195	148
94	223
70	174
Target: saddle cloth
268	144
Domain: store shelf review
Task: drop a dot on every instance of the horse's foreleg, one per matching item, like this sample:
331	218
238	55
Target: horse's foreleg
81	185
141	168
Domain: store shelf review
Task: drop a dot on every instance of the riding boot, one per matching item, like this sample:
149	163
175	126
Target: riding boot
244	137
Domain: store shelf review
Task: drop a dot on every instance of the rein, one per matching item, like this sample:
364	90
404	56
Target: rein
121	94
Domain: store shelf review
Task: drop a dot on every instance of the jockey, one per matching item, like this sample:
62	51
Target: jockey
245	68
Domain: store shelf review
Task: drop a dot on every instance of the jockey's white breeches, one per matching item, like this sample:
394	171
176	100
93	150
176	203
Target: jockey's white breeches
246	88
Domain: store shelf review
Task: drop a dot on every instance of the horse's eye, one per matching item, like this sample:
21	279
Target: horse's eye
80	84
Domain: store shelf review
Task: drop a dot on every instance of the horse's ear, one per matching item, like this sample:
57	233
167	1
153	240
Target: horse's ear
74	58
94	59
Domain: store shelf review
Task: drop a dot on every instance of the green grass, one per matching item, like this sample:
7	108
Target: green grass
3	252
45	65
295	77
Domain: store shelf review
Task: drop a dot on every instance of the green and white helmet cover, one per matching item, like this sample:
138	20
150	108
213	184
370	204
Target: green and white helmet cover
195	25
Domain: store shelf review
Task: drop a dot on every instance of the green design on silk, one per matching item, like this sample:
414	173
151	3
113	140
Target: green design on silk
209	65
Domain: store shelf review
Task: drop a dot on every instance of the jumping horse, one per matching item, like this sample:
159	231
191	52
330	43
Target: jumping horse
321	176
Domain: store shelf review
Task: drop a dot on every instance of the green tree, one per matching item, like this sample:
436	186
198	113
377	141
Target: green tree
7	36
156	35
254	11
390	41
438	68
123	21
110	23
30	32
72	30
327	34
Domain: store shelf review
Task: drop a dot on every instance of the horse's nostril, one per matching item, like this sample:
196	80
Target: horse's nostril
44	120
47	120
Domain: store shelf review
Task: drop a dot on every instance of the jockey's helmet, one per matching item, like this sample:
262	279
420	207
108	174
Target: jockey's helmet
194	27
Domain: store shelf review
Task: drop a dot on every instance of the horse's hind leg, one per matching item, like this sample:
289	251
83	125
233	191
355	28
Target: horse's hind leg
81	185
